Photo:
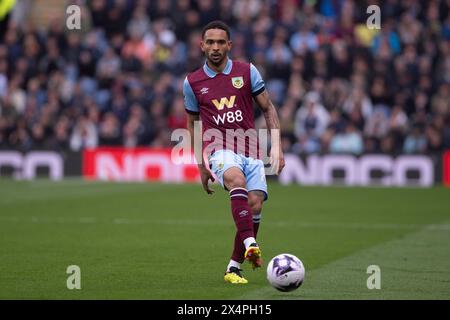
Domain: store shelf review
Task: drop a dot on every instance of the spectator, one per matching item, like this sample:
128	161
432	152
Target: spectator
387	39
84	135
340	60
416	141
377	125
60	139
177	117
278	53
118	80
348	141
358	100
3	78
312	118
304	40
398	120
434	139
440	102
109	131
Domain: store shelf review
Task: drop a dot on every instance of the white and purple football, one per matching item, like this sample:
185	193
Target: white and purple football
285	272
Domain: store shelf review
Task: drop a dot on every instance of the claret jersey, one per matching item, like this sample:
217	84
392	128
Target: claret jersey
224	102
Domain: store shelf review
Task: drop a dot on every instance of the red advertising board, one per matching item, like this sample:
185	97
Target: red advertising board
138	164
446	168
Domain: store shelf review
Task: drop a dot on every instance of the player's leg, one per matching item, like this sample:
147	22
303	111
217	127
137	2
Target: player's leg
236	182
257	188
228	168
255	202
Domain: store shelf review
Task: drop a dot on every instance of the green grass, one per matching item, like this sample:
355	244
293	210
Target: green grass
154	241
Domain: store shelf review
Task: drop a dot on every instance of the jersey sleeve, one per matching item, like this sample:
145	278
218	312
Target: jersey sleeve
256	81
190	101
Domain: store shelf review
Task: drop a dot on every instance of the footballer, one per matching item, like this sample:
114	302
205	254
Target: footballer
220	95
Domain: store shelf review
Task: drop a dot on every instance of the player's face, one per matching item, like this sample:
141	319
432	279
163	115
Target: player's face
216	46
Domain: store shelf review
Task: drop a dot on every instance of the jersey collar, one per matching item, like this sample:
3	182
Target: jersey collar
210	73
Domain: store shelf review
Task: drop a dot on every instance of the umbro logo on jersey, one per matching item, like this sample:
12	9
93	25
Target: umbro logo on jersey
204	90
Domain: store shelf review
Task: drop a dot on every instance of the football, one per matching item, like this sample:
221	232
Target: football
285	272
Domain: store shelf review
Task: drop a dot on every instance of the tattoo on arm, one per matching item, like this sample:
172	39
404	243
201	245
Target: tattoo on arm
269	111
273	124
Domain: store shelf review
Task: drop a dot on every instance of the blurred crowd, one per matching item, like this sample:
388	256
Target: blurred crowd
338	86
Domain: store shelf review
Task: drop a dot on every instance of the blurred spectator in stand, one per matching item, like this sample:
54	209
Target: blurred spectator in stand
177	117
3	72
19	136
377	126
440	101
347	141
109	130
311	121
84	135
398	120
60	139
117	81
416	141
340	61
336	125
136	130
386	39
434	139
304	40
358	100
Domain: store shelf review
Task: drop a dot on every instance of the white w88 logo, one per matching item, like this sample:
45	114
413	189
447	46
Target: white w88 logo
229	117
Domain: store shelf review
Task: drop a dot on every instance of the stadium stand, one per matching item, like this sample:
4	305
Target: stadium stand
339	86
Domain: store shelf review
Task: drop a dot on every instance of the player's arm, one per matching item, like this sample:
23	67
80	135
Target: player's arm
192	109
262	98
273	124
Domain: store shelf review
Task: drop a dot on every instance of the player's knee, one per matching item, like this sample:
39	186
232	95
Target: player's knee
236	182
256	207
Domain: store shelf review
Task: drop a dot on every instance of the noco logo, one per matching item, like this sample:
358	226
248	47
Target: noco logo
395	171
140	164
25	166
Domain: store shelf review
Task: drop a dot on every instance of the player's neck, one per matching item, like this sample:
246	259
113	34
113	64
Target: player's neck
219	68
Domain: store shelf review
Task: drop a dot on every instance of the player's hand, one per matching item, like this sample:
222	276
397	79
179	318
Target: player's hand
276	160
205	176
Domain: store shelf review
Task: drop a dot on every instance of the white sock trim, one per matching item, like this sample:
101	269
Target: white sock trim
239	195
249	241
233	263
238	189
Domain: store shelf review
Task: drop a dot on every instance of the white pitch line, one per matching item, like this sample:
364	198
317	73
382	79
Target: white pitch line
200	222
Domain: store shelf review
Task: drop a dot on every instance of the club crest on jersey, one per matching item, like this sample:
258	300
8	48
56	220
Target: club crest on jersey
238	82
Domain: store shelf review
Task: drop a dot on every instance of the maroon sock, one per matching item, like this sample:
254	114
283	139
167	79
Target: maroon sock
241	213
239	248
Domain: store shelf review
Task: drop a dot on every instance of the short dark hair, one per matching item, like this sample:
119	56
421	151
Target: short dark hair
217	24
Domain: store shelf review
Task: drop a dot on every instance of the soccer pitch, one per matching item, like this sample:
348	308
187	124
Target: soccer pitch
155	241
